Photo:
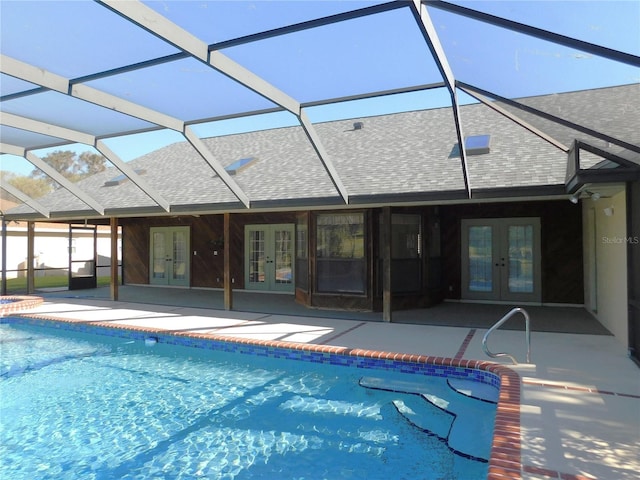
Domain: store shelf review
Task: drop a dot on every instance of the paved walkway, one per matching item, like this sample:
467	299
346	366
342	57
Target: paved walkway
580	398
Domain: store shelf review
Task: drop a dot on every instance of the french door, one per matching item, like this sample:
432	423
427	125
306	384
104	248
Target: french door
169	262
501	259
269	257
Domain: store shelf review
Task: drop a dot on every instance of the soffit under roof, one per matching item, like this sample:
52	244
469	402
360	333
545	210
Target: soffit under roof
199	63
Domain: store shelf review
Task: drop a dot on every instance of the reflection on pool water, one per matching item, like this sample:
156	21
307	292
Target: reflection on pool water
79	406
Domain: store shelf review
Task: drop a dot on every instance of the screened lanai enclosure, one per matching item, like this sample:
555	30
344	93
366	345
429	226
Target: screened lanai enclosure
367	155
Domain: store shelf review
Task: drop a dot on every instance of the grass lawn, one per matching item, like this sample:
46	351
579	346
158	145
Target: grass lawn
19	285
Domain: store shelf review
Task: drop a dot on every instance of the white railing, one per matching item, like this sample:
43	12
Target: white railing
498	324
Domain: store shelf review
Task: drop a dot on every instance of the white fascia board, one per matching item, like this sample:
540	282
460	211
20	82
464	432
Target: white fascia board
133	176
36	126
463	150
118	104
217	167
60	84
38	207
64	182
316	142
33	74
434	41
12	149
237	72
160	26
431	36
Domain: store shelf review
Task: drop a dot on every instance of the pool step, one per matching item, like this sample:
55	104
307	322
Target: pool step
477	390
425	416
467	424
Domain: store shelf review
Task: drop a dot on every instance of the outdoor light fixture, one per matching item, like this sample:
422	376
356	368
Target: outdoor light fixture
595	196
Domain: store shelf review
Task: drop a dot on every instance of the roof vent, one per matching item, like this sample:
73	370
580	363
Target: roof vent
358	125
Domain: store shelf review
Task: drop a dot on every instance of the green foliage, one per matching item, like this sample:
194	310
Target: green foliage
19	285
71	165
33	187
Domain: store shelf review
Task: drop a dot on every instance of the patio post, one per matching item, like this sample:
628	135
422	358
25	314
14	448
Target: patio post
114	259
386	264
3	286
31	234
228	293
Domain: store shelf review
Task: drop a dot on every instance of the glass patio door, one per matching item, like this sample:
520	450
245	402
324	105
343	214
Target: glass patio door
269	254
169	262
501	259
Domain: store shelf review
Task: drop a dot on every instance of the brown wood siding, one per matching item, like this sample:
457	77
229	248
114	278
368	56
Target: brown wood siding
561	245
135	252
207	266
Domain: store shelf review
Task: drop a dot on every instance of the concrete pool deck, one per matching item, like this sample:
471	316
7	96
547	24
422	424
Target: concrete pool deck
580	396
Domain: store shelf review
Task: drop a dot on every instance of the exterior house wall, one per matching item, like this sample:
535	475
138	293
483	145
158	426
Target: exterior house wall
561	245
605	239
206	236
440	262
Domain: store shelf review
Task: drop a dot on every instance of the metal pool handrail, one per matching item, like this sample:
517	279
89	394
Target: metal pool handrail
497	325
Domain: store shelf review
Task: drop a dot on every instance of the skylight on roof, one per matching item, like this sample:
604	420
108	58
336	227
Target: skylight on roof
473	145
477	144
120	179
240	165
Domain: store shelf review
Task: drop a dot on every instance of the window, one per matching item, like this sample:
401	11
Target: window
406	239
406	253
340	253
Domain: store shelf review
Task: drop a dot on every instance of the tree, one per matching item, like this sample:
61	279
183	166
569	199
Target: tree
71	165
34	187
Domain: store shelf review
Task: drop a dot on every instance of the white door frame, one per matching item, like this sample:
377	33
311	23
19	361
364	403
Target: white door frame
500	288
175	271
261	269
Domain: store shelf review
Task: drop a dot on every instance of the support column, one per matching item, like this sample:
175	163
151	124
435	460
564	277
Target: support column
228	287
3	285
386	263
31	240
114	259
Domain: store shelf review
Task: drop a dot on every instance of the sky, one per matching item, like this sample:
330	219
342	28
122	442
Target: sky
373	53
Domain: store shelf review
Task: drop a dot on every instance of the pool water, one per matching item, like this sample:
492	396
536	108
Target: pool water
78	406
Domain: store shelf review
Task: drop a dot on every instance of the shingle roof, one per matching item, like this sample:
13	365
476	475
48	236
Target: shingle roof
403	157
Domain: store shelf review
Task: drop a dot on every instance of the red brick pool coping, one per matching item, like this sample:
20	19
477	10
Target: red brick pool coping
18	302
504	461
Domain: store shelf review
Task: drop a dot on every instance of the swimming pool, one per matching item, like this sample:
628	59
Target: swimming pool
12	303
85	406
